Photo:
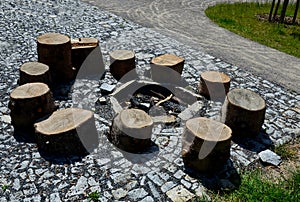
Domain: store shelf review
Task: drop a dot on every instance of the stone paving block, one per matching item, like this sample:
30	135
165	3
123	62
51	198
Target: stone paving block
179	194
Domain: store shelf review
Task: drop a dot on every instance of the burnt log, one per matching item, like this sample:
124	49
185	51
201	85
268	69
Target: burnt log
67	132
54	50
31	72
131	130
214	85
28	103
205	144
244	112
121	62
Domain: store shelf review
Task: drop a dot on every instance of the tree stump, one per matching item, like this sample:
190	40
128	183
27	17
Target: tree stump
131	130
167	68
28	103
54	50
205	144
81	48
214	85
67	132
244	112
121	62
31	72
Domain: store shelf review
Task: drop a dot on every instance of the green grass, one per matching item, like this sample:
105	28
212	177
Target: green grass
285	151
94	196
241	19
256	188
4	187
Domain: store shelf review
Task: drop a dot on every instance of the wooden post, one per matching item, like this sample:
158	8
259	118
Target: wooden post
81	48
244	112
31	72
54	50
67	132
167	68
121	62
28	103
205	144
131	130
214	85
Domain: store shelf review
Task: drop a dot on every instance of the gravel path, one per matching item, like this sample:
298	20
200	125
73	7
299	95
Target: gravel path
186	21
26	175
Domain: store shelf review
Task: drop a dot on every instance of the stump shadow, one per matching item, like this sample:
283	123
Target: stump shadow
25	135
61	91
141	157
256	144
61	159
224	180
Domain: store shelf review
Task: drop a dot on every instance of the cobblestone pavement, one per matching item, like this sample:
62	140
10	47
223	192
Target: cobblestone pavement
26	175
186	21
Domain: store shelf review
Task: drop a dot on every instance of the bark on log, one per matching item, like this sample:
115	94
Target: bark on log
244	112
214	85
167	68
131	130
31	72
54	50
67	132
81	48
121	62
205	144
28	103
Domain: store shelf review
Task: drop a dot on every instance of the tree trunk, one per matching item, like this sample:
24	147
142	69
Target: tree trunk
121	62
205	144
244	112
271	10
283	11
81	48
54	50
67	132
167	68
28	103
296	12
276	10
131	130
214	85
31	72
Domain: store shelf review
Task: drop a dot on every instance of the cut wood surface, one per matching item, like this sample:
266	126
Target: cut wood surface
244	112
131	130
54	50
167	68
30	102
34	72
67	132
81	49
206	144
214	85
121	62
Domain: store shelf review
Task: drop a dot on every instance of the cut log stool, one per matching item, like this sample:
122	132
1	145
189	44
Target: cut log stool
244	112
81	48
205	144
131	130
121	62
167	68
214	85
67	132
54	50
28	103
31	72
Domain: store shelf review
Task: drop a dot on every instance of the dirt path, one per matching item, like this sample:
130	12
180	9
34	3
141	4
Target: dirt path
186	21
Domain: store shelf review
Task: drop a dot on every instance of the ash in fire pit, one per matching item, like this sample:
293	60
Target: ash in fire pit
156	100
